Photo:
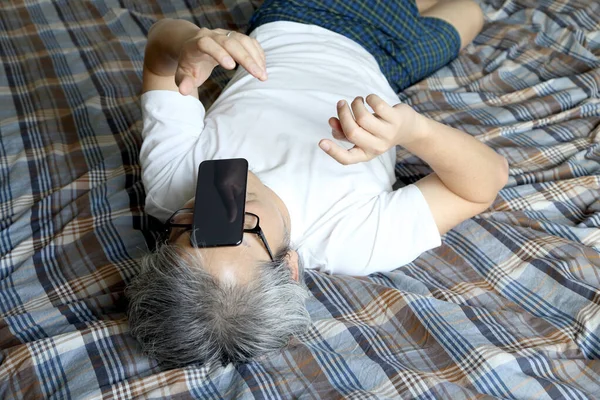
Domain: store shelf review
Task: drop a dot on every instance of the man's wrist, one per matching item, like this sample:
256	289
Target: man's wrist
419	131
165	41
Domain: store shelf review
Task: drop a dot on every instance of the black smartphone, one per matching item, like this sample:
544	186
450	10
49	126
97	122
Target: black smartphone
220	203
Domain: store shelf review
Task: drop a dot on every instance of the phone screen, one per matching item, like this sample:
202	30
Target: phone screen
220	203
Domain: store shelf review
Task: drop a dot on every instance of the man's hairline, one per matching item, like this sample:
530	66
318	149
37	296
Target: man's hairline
188	251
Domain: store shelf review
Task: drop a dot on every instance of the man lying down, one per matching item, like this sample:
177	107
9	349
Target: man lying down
303	187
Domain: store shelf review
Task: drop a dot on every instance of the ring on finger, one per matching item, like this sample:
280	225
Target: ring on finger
229	33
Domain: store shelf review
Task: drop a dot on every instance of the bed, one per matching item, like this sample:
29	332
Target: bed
507	307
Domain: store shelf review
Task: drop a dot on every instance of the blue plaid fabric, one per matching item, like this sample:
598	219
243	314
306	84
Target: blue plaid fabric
407	47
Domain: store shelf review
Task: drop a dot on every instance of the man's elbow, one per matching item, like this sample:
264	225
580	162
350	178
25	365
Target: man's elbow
503	172
501	178
498	180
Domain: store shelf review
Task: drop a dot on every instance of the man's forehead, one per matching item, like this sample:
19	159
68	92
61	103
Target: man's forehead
231	264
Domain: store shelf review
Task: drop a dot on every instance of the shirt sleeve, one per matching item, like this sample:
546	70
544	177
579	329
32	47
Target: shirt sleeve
382	235
171	150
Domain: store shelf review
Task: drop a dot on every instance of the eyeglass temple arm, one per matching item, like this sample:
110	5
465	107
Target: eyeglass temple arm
264	240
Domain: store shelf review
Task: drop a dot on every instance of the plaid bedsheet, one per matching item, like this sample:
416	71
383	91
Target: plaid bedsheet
508	307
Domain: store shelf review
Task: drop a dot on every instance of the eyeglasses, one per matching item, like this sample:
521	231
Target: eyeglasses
184	218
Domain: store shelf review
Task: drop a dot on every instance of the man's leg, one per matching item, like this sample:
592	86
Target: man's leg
465	15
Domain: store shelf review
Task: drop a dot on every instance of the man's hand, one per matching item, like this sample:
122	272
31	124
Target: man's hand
467	174
371	134
180	56
209	48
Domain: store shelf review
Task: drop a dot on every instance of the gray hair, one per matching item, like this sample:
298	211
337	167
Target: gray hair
181	314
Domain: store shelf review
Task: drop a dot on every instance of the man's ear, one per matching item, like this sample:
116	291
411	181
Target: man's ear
292	257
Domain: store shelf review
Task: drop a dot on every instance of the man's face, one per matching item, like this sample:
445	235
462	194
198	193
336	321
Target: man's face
237	264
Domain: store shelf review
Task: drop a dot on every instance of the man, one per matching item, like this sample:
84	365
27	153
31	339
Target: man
322	203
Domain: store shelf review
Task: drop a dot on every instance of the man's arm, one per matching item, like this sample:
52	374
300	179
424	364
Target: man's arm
467	174
180	56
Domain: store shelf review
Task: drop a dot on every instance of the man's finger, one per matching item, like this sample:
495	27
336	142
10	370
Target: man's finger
346	157
248	44
336	129
186	85
251	44
365	119
339	135
334	123
353	132
254	49
207	45
188	79
242	56
380	107
261	51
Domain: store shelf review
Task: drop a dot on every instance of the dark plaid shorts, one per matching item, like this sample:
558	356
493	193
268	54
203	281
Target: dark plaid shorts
407	47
